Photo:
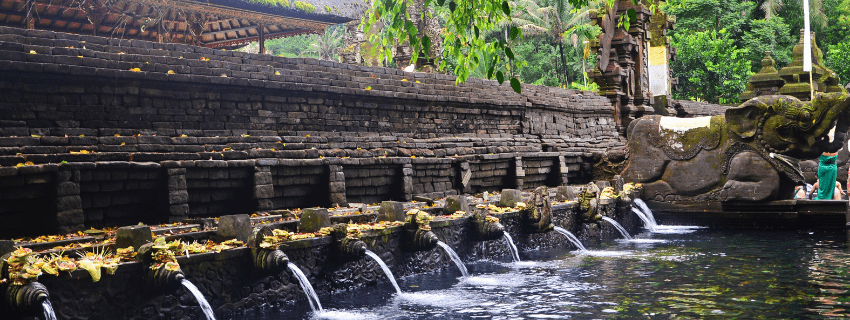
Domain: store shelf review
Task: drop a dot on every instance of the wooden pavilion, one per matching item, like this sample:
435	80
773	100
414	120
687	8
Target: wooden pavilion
226	24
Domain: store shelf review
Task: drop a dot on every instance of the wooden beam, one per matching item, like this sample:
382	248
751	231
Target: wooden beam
212	33
262	39
233	42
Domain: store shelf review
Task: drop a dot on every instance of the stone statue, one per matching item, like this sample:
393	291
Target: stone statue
749	154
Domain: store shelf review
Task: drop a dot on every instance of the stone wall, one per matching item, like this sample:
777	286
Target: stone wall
113	126
685	108
232	287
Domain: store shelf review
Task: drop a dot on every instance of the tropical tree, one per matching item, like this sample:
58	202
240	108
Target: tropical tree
710	67
325	46
558	22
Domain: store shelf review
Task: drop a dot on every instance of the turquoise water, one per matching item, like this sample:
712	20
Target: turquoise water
692	274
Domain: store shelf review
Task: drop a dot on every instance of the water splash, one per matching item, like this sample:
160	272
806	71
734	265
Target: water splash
645	214
646	222
205	306
307	287
48	310
453	255
572	238
386	270
618	227
512	247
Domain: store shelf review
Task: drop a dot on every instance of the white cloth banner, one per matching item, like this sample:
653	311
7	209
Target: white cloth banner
807	39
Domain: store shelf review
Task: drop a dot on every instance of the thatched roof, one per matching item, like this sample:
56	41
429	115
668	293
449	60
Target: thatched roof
210	23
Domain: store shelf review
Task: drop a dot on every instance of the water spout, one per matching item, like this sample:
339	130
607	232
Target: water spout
618	227
307	287
48	310
386	270
205	306
572	238
512	247
453	255
645	209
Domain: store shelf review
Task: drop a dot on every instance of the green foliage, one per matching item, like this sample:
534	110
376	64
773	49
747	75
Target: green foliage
704	15
709	66
768	35
465	41
585	85
282	3
838	59
306	7
309	46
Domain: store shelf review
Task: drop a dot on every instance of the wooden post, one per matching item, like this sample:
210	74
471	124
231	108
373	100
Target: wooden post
159	31
262	39
30	20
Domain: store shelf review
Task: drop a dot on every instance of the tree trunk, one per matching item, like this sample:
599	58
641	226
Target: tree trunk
563	64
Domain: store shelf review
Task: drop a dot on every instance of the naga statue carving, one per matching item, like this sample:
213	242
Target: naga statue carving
749	154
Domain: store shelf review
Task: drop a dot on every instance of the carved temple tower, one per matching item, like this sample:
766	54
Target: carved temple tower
623	72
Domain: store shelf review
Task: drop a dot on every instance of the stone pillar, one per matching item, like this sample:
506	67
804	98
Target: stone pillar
178	195
263	188
69	206
465	177
520	173
562	171
407	181
336	186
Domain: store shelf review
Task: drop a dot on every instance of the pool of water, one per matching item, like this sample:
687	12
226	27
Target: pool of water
689	274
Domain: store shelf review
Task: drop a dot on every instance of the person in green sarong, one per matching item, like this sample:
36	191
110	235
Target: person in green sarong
827	173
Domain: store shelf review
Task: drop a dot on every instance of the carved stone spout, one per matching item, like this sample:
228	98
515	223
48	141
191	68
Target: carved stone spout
348	243
589	204
417	231
265	255
26	299
537	217
485	227
159	275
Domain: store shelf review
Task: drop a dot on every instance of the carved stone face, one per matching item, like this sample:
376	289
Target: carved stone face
785	125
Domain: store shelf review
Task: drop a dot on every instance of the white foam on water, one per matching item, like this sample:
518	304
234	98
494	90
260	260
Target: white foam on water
345	315
507	280
601	253
443	298
675	229
645	241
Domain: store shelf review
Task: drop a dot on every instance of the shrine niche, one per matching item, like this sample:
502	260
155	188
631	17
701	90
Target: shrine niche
211	23
623	71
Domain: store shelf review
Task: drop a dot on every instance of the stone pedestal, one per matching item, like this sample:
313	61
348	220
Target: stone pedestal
391	211
135	236
510	197
235	226
313	219
455	204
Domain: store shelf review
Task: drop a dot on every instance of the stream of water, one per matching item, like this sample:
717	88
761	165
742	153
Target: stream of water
48	310
205	306
307	287
453	255
386	270
619	228
572	238
512	247
705	274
